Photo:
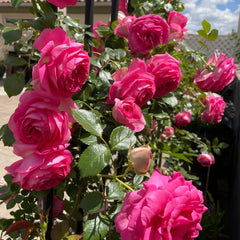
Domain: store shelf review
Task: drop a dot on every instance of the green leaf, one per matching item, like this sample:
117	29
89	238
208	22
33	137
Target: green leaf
206	25
137	180
88	139
171	100
178	155
212	36
14	84
114	191
95	62
15	61
96	228
89	120
202	33
70	22
120	53
60	230
217	151
11	34
105	77
115	42
168	7
94	159
215	141
7	136
11	203
16	3
122	138
103	31
223	145
92	201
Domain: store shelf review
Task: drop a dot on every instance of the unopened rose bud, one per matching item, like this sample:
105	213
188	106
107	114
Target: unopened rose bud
140	159
163	136
206	160
169	131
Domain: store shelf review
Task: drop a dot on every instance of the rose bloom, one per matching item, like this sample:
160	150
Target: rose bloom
38	125
167	208
135	83
166	71
177	23
41	171
140	159
122	29
169	131
128	113
183	119
63	67
220	72
147	32
215	109
122	6
63	3
206	160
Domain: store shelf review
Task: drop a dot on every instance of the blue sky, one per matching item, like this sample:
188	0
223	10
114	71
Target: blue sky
222	14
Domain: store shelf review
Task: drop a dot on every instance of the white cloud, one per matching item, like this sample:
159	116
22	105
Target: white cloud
224	20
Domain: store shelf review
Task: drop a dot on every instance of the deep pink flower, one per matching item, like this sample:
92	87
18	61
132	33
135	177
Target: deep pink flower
122	6
38	124
182	119
215	109
169	131
122	29
63	3
140	158
167	208
136	83
128	113
41	171
166	71
206	160
220	72
63	67
177	23
147	32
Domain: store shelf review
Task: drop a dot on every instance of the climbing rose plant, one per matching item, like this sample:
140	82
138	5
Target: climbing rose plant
104	127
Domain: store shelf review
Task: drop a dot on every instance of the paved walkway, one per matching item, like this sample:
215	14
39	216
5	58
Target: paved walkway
7	106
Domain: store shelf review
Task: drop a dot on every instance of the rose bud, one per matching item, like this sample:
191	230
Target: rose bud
140	158
169	131
182	119
206	160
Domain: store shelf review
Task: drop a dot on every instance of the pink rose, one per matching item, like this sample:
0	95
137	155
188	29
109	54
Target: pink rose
129	114
136	83
63	3
217	75
177	23
38	124
206	160
215	109
122	6
166	71
167	208
63	67
169	131
147	32
182	119
122	29
140	159
41	171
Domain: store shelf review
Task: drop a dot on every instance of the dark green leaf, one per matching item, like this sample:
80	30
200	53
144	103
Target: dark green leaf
122	138
95	62
114	191
11	203
94	159
217	151
70	22
7	137
92	201
16	3
14	84
223	145
96	228
11	34
60	230
15	61
89	120
203	44
215	141
212	36
115	42
105	77
206	26
103	31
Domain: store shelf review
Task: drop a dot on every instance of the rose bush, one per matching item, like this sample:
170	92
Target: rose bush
92	126
167	208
